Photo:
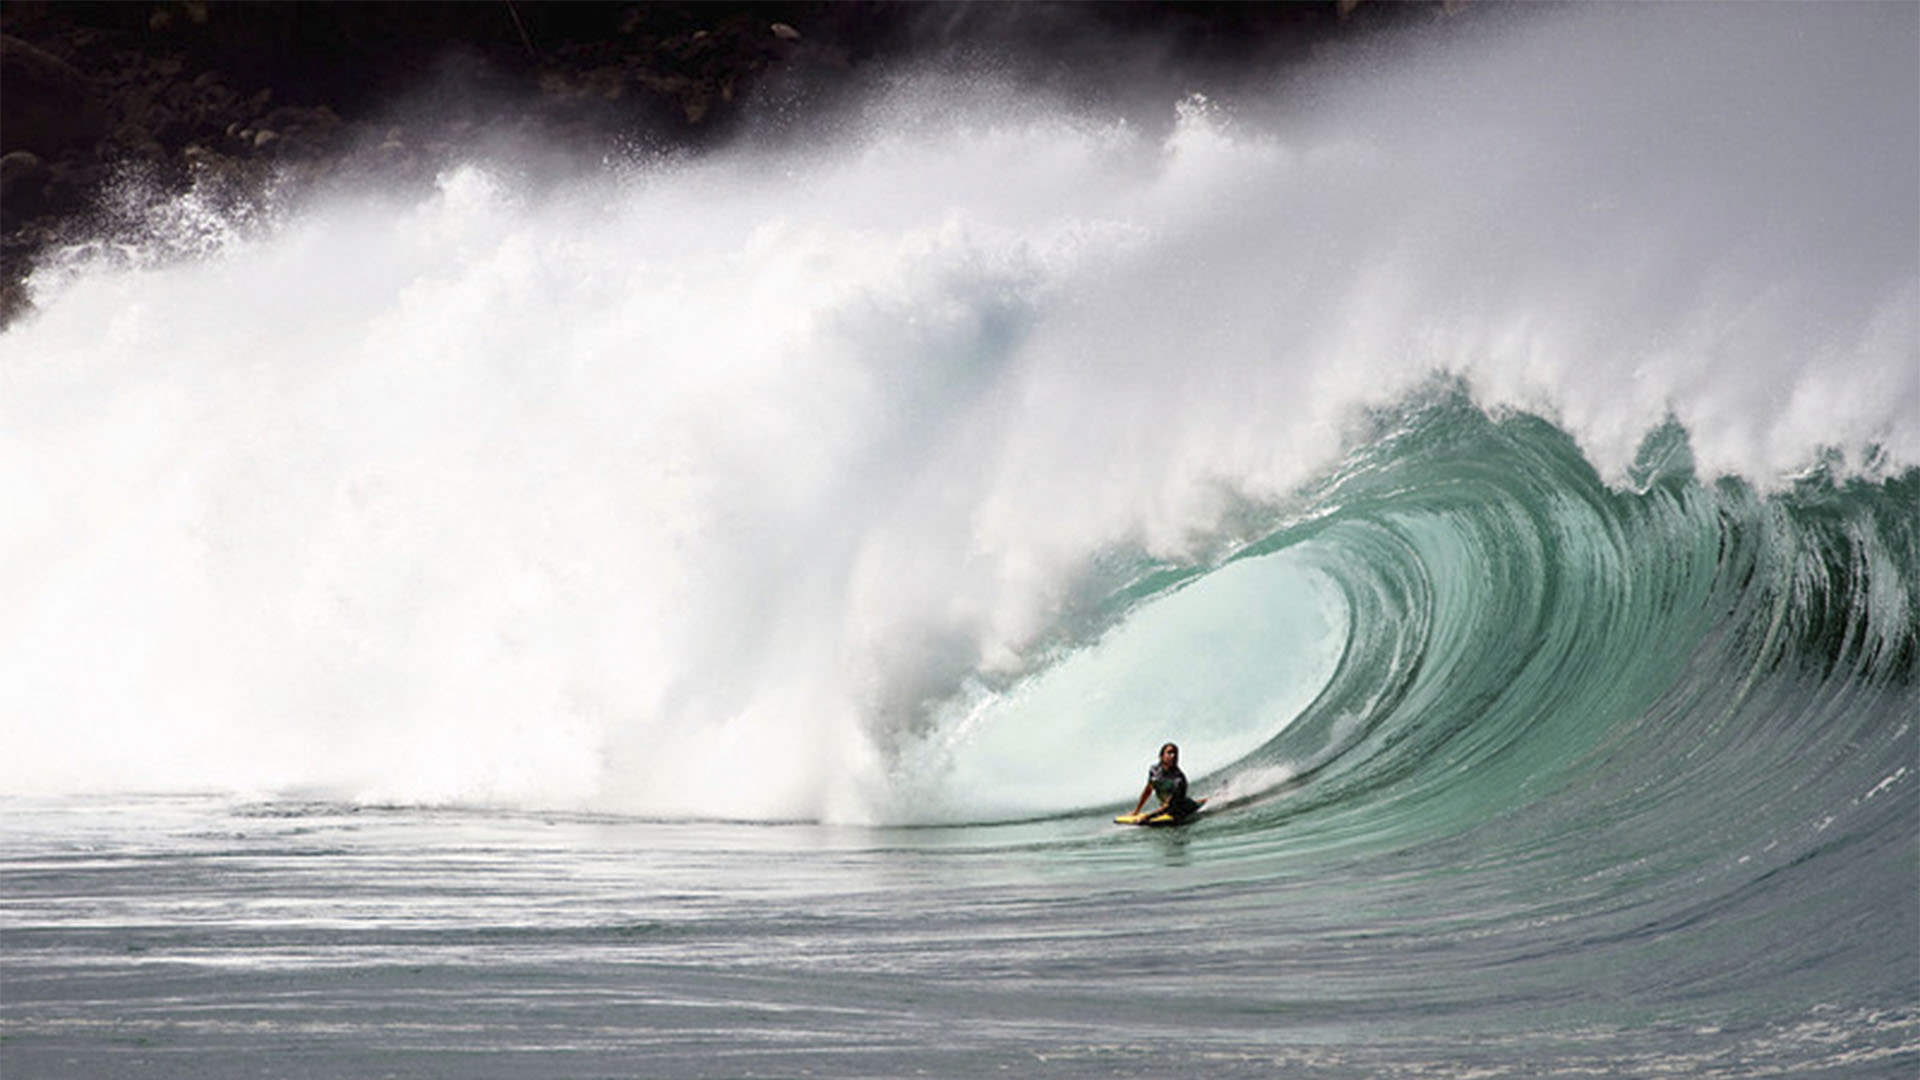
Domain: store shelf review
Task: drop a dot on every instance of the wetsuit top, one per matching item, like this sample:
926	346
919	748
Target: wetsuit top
1168	782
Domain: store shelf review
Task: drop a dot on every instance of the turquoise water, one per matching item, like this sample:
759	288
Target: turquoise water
700	620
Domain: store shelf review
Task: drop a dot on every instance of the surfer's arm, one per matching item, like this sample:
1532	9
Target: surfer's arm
1144	792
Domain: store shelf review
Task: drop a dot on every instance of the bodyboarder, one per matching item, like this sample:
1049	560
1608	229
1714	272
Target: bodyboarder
1167	781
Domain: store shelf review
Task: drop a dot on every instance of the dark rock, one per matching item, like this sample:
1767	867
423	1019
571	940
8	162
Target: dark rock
23	186
13	299
70	184
48	106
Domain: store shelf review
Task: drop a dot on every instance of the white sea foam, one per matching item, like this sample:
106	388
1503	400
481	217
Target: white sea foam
687	489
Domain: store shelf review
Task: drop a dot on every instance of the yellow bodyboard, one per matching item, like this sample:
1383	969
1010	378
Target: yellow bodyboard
1159	817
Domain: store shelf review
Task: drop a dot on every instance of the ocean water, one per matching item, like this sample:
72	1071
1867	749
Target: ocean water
698	618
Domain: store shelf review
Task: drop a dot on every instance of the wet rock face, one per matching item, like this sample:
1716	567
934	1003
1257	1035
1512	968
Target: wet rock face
162	83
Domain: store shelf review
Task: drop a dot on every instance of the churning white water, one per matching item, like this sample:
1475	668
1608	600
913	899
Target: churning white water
762	486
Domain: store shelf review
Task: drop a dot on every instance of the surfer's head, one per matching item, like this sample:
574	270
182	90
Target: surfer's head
1169	754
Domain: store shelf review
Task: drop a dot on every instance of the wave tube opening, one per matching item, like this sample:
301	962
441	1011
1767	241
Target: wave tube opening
1220	665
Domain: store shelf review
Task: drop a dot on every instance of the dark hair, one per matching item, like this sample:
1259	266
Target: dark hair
1168	747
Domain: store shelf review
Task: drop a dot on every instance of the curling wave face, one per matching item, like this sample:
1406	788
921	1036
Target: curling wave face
1678	713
